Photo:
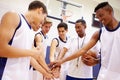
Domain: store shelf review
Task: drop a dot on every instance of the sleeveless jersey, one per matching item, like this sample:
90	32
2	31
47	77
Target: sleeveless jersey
44	42
77	68
18	68
59	47
110	54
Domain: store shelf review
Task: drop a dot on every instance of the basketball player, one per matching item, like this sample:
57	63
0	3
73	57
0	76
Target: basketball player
16	40
57	45
77	69
41	41
109	42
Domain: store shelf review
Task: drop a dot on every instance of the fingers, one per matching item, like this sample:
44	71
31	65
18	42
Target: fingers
57	64
54	64
55	69
48	76
56	72
51	64
89	60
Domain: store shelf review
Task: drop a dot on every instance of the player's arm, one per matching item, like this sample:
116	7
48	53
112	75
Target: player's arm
85	48
38	39
54	43
9	23
38	42
65	49
39	68
62	53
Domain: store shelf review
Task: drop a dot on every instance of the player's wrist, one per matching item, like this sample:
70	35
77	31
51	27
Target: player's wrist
62	61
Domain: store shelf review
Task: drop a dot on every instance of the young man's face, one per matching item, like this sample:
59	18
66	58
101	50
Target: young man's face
46	27
104	16
62	32
39	18
80	28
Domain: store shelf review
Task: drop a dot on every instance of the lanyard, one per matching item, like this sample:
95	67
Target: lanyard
79	48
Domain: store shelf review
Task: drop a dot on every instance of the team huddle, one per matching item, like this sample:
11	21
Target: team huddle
23	47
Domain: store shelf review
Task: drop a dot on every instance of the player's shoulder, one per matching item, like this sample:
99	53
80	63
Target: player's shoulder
55	39
11	17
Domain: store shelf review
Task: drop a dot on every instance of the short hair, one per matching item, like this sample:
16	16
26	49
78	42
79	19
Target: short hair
62	24
37	4
102	5
48	20
82	21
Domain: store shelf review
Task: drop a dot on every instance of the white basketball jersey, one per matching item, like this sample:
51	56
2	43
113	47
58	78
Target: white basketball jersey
64	66
59	47
77	68
44	42
18	68
110	54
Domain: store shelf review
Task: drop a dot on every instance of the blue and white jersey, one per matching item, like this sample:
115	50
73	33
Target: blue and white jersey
110	54
60	46
45	42
18	68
